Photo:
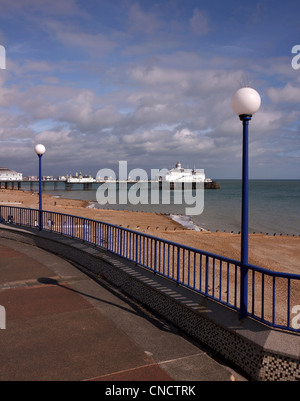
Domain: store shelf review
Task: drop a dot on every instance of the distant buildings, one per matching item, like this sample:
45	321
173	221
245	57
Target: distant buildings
10	175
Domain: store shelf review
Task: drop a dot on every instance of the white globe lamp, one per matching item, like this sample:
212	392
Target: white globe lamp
39	149
245	101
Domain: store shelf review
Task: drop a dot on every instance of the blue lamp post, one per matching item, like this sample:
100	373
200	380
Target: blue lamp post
40	150
245	102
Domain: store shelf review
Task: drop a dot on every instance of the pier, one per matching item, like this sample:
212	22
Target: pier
84	185
207	185
20	184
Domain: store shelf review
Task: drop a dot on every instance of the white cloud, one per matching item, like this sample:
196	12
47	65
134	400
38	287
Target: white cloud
55	138
158	76
96	43
44	7
287	94
189	141
199	23
143	22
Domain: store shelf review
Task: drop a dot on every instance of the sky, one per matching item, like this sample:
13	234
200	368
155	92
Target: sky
149	82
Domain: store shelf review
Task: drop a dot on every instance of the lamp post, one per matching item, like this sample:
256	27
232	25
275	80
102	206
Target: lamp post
40	150
245	102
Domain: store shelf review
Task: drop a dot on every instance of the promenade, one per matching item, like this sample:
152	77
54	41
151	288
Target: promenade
63	324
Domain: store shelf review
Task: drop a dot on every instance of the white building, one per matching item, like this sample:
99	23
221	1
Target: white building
79	178
180	174
9	175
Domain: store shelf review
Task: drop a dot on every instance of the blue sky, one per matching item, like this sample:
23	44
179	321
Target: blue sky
149	82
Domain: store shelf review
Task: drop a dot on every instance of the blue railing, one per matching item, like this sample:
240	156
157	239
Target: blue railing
272	296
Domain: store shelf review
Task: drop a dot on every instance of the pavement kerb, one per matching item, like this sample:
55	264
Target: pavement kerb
260	352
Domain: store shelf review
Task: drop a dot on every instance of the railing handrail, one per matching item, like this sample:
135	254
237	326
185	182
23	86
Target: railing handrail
201	266
273	272
210	254
226	259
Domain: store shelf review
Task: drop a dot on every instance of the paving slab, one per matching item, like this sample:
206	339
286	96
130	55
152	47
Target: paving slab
63	325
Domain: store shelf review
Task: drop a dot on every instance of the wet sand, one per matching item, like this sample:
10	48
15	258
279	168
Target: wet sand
279	253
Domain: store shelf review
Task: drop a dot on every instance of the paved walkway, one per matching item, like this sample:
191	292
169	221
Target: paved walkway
61	324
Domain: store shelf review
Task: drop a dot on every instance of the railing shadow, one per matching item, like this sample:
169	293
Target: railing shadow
134	308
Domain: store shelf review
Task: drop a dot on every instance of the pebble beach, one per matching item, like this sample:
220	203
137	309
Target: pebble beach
279	253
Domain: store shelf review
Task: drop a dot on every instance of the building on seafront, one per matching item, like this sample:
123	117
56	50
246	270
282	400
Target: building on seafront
180	174
9	175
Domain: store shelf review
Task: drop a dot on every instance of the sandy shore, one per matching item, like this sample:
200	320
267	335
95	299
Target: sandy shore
280	253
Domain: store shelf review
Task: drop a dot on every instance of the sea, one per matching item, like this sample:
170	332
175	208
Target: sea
274	205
